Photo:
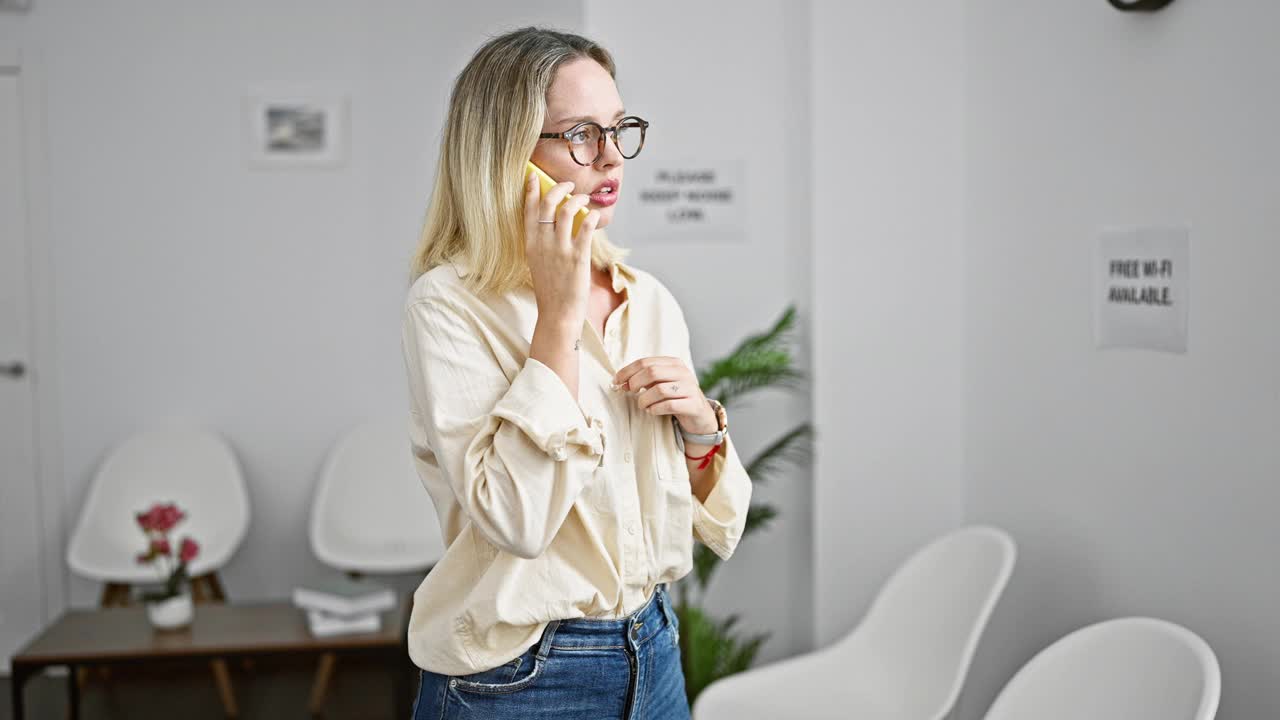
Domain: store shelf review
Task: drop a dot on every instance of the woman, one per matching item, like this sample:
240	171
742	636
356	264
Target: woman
555	418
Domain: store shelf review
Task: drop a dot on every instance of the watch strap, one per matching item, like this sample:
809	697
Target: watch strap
714	438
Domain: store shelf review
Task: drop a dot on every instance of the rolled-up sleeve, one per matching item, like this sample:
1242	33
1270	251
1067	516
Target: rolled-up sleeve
516	451
718	522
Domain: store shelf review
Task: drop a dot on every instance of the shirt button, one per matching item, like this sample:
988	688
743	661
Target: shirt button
631	529
626	457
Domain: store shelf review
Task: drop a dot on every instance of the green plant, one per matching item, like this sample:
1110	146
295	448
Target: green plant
712	648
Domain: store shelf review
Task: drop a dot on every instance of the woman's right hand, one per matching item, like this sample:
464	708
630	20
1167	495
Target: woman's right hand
559	263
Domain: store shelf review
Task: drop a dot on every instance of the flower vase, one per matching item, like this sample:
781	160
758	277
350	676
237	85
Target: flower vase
171	613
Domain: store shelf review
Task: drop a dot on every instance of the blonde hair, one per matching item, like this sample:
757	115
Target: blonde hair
496	110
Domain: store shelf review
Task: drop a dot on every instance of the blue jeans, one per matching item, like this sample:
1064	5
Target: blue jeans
581	669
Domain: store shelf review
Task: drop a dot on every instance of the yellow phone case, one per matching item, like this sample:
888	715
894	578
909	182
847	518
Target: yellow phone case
547	183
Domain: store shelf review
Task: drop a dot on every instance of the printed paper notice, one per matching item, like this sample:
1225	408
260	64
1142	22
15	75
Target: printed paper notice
1141	288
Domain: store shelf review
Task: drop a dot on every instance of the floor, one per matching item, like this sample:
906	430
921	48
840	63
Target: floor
273	688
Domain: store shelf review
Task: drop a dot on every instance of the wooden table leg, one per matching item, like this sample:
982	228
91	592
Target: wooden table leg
18	675
225	691
320	685
73	693
403	684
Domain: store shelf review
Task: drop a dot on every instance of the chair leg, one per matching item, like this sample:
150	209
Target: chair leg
215	587
223	678
115	595
199	595
207	589
320	685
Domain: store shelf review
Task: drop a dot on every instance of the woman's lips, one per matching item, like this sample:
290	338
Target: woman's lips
604	199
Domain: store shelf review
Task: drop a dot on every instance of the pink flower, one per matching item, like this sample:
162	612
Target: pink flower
188	550
147	520
160	518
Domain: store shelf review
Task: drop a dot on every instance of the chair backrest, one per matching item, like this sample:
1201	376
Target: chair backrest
912	650
1124	669
370	512
192	467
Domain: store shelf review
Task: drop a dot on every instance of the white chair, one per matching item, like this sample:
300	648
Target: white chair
1124	669
370	514
191	467
906	660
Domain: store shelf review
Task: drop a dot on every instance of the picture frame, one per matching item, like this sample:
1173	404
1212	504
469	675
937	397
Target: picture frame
295	129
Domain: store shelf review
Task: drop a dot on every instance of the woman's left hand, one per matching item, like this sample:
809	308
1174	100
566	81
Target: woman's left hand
666	386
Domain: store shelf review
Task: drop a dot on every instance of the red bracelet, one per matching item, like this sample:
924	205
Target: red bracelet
706	459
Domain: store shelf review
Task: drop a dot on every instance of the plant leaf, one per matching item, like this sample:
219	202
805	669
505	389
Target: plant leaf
758	518
711	650
759	361
795	447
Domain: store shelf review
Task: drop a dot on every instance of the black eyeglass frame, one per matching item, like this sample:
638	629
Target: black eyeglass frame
604	132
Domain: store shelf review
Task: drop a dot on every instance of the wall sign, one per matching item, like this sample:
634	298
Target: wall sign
688	201
1141	288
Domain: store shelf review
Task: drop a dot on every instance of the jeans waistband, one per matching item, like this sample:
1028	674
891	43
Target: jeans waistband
649	618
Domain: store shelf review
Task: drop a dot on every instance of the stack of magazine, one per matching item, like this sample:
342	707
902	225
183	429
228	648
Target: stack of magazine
340	605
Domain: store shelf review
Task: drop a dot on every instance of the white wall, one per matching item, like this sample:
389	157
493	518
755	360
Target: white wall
266	305
1135	482
962	156
885	130
263	305
954	235
714	89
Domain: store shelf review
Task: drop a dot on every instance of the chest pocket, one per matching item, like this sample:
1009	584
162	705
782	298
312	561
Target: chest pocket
667	455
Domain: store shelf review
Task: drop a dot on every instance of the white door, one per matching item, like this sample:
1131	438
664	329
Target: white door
21	586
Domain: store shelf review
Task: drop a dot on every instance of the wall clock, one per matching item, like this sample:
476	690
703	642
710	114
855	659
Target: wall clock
1139	5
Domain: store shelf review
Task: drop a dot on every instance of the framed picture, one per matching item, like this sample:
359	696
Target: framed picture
295	129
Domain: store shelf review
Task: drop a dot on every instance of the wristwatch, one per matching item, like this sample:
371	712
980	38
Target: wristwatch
715	438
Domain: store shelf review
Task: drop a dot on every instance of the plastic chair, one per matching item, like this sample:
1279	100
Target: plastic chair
189	466
192	467
371	514
1124	669
906	660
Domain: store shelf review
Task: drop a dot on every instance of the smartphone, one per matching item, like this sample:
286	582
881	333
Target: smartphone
546	182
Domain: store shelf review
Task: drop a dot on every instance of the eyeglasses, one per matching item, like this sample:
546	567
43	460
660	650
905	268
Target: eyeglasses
586	139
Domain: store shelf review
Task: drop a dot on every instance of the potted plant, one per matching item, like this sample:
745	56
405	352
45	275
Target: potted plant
170	606
712	648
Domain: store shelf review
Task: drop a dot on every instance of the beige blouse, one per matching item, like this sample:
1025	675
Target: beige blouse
550	509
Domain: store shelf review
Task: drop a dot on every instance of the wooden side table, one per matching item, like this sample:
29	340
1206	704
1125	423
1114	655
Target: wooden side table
122	635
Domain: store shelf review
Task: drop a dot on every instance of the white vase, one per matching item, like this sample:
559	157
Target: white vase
172	613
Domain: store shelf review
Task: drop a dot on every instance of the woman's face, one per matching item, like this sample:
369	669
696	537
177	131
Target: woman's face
582	90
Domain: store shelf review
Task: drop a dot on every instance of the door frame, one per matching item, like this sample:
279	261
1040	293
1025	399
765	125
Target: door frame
50	488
